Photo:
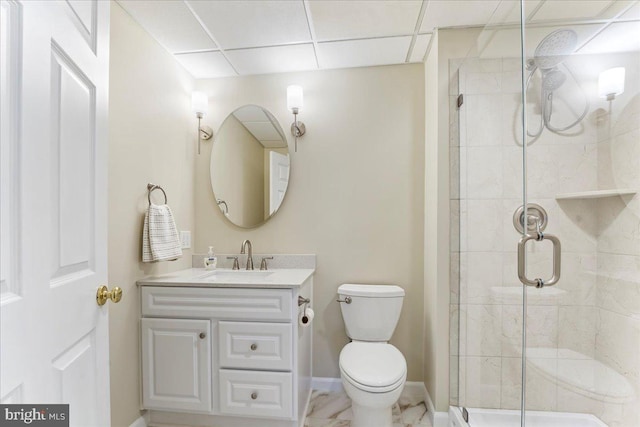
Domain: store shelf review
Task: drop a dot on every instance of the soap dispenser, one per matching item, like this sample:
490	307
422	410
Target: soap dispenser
210	261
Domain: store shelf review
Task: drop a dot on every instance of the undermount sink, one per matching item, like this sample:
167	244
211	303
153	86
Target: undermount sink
234	274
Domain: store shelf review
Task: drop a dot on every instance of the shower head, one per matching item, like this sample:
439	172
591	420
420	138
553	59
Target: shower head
553	79
554	48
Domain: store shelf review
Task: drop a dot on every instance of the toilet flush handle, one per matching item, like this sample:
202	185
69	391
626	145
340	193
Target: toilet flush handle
346	299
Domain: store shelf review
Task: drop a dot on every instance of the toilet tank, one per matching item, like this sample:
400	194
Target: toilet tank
373	312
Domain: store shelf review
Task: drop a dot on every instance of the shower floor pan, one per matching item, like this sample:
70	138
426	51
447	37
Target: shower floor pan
506	418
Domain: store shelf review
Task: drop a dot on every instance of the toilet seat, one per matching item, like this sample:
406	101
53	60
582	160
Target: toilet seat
372	366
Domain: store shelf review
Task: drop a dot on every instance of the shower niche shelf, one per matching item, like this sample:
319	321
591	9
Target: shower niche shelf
596	194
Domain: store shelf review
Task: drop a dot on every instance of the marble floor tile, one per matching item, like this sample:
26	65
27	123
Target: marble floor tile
333	409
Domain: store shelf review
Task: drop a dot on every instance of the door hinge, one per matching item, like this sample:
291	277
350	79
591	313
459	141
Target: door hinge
460	100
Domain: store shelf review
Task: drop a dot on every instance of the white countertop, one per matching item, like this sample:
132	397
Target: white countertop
222	278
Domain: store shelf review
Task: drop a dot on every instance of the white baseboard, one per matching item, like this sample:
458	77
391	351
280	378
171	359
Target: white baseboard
142	421
326	384
438	419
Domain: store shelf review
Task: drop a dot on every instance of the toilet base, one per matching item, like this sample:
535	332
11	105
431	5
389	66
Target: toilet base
364	416
371	409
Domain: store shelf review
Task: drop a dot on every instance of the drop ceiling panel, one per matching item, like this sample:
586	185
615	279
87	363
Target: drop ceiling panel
251	113
171	23
620	37
205	65
362	53
335	20
280	59
633	12
420	48
570	9
615	8
454	13
241	24
263	131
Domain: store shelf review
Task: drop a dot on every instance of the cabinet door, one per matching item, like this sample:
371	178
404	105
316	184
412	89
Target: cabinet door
176	364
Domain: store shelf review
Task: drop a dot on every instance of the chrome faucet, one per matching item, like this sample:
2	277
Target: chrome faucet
249	253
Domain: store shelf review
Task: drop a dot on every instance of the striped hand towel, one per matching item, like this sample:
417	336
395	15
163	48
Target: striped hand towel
160	240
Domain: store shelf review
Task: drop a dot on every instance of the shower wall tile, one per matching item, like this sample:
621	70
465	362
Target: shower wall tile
483	382
627	120
511	128
484	172
618	283
618	343
511	379
541	391
484	222
542	172
578	281
577	166
542	328
577	330
512	187
454	173
619	161
577	225
482	323
454	329
618	222
481	272
454	226
483	119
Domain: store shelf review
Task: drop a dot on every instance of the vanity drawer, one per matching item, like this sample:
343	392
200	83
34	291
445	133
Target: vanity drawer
223	303
256	394
250	345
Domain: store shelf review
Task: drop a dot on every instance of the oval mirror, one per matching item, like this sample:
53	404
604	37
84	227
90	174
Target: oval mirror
249	166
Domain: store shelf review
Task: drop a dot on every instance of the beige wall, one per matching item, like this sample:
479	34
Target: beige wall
239	172
356	193
151	139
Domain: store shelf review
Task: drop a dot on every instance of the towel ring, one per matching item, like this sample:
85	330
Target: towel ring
152	187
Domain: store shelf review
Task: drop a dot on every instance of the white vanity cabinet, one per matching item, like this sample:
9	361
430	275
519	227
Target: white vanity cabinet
225	355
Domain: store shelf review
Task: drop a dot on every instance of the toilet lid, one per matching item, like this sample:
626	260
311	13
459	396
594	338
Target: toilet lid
373	365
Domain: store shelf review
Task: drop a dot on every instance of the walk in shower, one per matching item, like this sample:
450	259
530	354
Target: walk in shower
545	218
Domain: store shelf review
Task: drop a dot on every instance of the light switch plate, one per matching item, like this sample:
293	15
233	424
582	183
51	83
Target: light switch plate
185	239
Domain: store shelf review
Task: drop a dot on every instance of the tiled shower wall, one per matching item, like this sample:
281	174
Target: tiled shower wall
590	313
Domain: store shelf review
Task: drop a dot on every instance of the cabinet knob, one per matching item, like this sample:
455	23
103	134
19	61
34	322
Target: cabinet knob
203	335
254	395
254	347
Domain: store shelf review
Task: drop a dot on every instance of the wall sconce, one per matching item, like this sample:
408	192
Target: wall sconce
611	83
200	106
294	104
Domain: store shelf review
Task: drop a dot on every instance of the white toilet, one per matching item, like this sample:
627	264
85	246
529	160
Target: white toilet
373	371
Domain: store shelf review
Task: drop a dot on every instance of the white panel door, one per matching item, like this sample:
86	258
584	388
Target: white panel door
55	64
278	179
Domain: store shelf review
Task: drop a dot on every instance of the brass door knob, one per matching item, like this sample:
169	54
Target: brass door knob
105	294
254	395
202	335
254	346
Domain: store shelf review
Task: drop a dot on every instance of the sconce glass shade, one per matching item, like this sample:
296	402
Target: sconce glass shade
199	103
294	98
611	83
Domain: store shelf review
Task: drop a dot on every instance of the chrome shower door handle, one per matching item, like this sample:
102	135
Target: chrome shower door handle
557	259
